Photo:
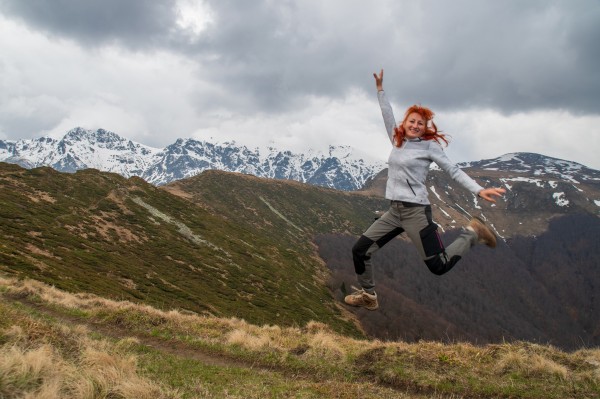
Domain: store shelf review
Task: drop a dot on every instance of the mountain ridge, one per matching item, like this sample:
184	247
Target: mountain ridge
339	167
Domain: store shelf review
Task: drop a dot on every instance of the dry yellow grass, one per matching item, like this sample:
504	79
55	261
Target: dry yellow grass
530	364
101	368
318	337
248	340
42	372
32	366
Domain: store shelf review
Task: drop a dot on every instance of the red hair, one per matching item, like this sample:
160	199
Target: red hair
431	132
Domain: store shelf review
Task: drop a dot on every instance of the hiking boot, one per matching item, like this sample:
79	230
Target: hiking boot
485	235
362	299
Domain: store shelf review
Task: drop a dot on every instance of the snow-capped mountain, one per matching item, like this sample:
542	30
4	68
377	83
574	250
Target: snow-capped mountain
339	168
538	165
81	149
538	189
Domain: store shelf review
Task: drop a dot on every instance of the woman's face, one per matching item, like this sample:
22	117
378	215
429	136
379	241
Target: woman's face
414	126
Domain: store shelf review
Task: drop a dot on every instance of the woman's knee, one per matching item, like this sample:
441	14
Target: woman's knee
361	247
359	254
439	264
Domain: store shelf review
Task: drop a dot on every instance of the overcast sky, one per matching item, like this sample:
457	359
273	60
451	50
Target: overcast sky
502	76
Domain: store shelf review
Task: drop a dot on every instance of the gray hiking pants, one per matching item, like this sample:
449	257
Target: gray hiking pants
416	221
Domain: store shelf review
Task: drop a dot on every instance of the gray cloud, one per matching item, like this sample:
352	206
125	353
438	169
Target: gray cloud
518	56
511	56
132	23
508	55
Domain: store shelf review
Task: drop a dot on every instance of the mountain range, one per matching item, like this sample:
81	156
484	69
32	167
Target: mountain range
338	168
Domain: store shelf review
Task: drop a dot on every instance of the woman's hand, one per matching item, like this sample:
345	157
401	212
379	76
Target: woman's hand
379	80
488	194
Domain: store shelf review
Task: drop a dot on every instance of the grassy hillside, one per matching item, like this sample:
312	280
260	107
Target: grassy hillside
61	345
285	211
226	245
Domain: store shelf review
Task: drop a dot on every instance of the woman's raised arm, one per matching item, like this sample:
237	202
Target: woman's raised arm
386	107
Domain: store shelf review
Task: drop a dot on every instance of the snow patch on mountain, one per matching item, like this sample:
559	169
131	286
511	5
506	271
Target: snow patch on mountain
538	165
340	167
560	199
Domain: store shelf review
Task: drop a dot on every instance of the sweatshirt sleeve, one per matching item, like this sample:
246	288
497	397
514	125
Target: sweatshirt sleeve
441	159
388	114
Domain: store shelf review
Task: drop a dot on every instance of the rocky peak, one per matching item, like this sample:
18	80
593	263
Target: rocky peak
107	151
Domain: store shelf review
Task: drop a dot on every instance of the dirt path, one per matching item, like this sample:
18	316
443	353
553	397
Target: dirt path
172	347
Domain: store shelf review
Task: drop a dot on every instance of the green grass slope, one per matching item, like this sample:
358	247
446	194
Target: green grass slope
285	211
226	244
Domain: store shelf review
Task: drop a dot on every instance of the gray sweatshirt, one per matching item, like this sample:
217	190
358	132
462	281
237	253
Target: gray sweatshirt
408	165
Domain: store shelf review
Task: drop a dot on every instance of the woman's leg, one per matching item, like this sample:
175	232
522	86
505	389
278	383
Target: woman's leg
423	233
380	233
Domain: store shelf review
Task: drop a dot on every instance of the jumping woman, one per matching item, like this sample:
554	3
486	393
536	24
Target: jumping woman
416	143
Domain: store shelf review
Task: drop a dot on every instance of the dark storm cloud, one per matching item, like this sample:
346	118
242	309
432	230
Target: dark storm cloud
506	55
133	23
284	52
515	55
